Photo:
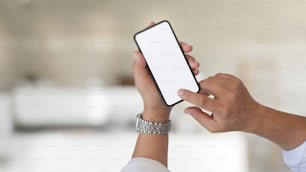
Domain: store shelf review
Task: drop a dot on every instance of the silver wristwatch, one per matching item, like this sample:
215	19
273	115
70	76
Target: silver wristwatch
149	127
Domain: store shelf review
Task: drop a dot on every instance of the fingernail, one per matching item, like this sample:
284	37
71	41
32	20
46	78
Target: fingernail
185	43
181	93
186	112
195	65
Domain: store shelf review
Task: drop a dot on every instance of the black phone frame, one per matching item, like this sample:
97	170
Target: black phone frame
156	84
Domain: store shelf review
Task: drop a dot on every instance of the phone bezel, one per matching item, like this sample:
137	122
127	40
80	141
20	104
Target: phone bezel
181	49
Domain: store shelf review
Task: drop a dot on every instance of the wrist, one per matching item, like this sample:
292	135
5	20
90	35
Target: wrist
256	119
156	114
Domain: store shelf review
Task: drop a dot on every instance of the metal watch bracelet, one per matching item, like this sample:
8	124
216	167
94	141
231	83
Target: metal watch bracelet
149	127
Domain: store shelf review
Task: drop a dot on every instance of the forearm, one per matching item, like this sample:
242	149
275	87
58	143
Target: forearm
153	146
286	130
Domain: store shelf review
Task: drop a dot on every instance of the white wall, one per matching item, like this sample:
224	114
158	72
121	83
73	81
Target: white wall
69	41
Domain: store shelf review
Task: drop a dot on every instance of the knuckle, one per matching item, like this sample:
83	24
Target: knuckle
189	57
218	75
206	83
223	75
202	83
236	85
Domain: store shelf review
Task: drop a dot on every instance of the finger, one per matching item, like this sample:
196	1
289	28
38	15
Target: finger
139	60
186	47
139	65
198	99
151	23
192	61
214	86
195	71
203	118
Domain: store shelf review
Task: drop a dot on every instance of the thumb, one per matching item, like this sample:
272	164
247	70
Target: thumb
139	63
141	74
139	58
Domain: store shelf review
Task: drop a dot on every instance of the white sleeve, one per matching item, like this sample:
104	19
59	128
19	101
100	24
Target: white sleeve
296	158
144	164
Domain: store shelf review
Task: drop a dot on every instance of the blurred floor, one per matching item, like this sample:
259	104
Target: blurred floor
108	152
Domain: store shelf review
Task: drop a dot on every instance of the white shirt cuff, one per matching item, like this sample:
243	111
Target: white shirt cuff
296	158
144	164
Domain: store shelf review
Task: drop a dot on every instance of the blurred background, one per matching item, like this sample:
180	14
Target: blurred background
67	101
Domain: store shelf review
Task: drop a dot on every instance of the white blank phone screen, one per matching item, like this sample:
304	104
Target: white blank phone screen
166	61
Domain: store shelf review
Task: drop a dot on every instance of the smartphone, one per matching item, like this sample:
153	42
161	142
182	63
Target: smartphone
166	61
